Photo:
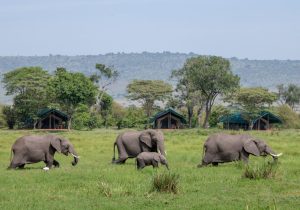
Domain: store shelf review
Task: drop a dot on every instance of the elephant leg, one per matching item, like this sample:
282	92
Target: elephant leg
122	154
56	163
140	164
215	163
17	162
244	157
49	160
120	160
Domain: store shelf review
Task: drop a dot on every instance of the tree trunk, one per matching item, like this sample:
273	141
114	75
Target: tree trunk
199	114
190	115
207	113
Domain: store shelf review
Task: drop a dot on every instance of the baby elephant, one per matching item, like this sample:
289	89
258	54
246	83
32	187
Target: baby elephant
150	158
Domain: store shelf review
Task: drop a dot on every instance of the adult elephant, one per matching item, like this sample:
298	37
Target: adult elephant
33	149
221	148
130	144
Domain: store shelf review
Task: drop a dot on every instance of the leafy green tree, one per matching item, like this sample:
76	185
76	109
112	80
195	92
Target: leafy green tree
216	113
253	100
84	119
187	95
71	90
103	78
29	87
106	109
147	92
289	95
212	76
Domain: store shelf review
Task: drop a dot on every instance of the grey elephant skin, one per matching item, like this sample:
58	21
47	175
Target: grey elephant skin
150	158
221	148
130	144
33	149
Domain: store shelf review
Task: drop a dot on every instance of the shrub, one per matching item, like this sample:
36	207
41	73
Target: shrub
289	117
216	113
165	182
264	171
10	116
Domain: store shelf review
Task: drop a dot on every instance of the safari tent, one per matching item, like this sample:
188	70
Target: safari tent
168	119
52	119
264	121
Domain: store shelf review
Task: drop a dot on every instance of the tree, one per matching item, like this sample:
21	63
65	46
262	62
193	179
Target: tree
211	75
71	89
29	87
103	78
289	95
188	96
253	100
9	116
147	92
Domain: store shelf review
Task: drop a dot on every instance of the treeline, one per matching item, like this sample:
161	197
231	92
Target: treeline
199	83
156	66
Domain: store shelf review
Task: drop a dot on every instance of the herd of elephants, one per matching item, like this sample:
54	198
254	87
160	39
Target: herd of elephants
146	146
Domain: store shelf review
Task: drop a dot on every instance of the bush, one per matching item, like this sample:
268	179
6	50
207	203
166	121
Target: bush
165	182
83	119
290	118
10	116
216	113
264	171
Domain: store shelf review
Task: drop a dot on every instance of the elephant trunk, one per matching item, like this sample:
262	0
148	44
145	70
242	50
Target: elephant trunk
74	154
161	148
272	153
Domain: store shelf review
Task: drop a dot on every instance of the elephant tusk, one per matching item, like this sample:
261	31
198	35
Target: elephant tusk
75	155
158	151
274	155
166	152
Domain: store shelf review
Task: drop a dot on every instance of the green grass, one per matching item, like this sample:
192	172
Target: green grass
97	184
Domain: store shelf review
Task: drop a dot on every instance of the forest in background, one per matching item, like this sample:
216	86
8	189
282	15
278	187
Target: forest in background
264	73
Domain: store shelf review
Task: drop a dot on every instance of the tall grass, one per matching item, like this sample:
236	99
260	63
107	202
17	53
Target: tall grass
267	170
166	182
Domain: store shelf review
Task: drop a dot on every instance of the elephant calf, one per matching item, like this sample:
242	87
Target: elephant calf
150	158
33	149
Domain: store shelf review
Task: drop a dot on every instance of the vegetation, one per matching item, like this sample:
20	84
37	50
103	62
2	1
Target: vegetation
211	76
261	171
153	66
147	92
96	184
166	182
289	95
103	79
28	85
70	90
290	118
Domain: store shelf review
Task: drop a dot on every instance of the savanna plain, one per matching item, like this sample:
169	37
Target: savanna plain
97	184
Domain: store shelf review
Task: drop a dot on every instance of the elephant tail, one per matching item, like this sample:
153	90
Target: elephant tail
114	157
203	152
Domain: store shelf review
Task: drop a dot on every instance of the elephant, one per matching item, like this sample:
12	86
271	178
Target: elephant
131	143
33	149
221	148
150	158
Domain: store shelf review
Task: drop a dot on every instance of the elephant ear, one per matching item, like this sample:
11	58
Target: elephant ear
56	144
251	148
145	137
156	158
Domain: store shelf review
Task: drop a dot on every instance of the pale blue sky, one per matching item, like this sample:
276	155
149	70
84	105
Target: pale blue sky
254	29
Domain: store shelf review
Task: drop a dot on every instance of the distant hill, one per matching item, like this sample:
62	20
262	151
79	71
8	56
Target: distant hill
265	73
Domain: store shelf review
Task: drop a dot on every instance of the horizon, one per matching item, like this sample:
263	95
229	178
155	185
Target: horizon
256	30
145	52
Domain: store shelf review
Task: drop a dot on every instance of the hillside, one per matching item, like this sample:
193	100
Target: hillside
265	73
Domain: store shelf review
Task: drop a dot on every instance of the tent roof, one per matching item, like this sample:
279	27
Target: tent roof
46	111
239	119
166	111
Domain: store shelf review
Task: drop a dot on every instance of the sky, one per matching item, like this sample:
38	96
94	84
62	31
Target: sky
253	29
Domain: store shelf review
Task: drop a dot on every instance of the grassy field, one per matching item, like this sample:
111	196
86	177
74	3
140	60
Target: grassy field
97	184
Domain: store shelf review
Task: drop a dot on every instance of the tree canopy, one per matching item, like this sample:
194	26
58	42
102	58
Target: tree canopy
29	87
212	76
148	91
289	94
71	89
